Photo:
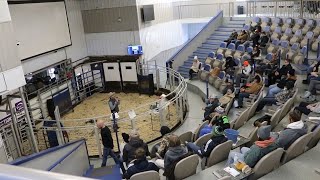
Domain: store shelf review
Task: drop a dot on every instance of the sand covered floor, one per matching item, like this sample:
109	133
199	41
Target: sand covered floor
148	124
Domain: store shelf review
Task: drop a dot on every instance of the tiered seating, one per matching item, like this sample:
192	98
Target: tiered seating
299	23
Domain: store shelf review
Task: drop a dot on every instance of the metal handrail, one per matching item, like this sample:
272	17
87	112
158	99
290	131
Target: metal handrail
65	156
181	88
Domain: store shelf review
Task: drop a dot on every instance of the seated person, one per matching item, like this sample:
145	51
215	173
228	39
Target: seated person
255	54
254	39
140	164
245	91
295	129
211	104
264	39
228	83
134	143
217	120
251	156
307	108
243	37
233	36
281	97
276	88
175	151
246	69
216	139
230	64
310	95
277	74
314	73
215	72
223	101
162	147
269	66
195	66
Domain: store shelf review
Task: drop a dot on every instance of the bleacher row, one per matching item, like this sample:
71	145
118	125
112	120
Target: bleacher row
216	161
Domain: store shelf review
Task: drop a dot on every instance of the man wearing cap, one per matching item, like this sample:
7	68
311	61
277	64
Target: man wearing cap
250	156
113	103
196	65
216	139
245	72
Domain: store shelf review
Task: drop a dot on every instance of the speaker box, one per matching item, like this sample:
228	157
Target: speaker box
146	84
50	107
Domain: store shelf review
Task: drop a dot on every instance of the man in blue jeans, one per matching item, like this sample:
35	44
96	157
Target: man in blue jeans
107	142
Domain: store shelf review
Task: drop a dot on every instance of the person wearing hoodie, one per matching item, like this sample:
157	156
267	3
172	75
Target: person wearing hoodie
196	65
276	88
295	129
307	108
245	91
281	97
245	72
175	151
140	164
216	139
134	143
251	156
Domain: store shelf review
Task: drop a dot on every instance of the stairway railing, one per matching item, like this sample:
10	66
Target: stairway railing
179	57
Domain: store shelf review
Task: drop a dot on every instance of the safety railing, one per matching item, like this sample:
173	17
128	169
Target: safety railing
150	116
249	8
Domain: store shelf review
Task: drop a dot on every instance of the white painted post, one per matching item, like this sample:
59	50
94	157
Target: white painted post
57	117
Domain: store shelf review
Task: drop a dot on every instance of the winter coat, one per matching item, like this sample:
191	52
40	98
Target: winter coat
114	105
169	170
284	70
106	137
174	153
257	151
130	148
291	133
226	99
254	88
139	166
206	149
247	70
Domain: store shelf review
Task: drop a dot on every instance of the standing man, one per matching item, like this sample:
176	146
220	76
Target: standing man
107	142
113	103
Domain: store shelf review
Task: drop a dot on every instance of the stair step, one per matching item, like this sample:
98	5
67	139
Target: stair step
220	34
227	29
200	56
217	38
210	46
233	25
211	43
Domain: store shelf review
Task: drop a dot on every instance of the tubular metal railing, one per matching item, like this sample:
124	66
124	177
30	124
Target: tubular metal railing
152	116
250	8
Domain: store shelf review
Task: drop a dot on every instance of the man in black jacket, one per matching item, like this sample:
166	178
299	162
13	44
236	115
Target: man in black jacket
107	142
277	75
134	143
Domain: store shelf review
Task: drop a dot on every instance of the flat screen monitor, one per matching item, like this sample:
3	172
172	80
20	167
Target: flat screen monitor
134	50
